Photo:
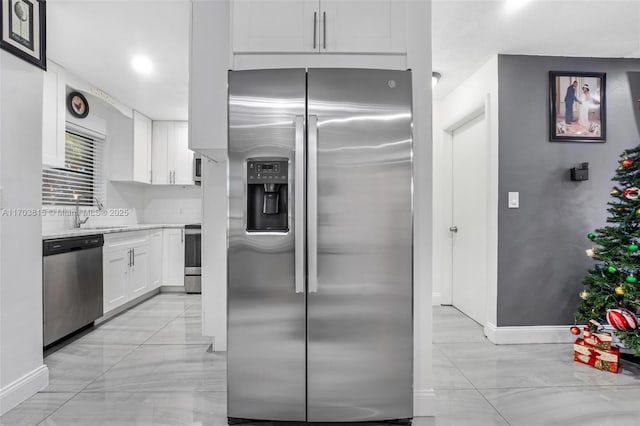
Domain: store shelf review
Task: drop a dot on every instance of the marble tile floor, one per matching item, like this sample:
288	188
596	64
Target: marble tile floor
150	366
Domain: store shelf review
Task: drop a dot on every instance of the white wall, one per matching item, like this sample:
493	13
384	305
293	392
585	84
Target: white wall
210	60
172	204
478	92
419	61
22	372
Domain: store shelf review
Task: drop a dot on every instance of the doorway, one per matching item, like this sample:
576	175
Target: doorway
469	217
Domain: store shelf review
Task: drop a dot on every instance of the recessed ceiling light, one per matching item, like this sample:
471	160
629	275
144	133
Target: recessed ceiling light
435	77
142	64
512	6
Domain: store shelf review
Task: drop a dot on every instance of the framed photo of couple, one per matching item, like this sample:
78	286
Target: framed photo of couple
577	111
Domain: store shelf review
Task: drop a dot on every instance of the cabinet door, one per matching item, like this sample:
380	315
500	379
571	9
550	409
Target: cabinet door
53	116
141	148
180	157
275	26
159	166
173	257
115	266
155	259
364	26
139	283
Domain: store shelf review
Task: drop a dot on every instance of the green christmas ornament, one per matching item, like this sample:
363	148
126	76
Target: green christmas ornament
612	269
591	236
631	279
632	247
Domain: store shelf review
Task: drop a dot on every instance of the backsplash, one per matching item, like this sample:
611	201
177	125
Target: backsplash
169	204
128	204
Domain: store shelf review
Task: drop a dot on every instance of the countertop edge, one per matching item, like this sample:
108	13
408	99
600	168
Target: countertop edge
101	231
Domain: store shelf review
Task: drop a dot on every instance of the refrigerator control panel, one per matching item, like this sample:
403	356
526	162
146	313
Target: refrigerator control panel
271	171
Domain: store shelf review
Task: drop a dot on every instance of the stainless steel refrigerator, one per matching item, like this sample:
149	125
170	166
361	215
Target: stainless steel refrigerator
320	245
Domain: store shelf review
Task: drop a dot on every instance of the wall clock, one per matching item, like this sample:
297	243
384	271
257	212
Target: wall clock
77	105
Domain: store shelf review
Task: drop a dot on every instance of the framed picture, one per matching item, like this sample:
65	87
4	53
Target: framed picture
23	27
577	110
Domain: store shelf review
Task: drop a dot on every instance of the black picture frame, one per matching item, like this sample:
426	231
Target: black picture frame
586	120
23	30
81	110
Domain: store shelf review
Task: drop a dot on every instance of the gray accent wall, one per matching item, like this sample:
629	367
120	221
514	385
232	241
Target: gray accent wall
541	258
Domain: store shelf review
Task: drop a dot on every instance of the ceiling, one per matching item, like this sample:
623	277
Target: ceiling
467	33
96	40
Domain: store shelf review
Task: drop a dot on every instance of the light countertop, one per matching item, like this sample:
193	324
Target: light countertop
64	233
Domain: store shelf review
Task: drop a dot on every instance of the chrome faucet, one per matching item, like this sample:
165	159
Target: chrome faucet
79	222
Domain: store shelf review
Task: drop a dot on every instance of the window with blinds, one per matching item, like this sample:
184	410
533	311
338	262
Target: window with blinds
81	176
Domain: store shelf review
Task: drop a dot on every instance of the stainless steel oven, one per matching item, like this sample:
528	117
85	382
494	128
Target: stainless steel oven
192	258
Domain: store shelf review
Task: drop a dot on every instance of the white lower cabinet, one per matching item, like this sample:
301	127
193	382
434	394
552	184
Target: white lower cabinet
155	259
139	283
137	262
173	257
125	259
115	266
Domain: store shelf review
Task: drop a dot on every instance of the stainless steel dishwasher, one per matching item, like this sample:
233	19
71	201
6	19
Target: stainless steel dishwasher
72	285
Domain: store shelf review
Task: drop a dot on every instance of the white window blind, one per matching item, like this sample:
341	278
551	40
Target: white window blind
81	176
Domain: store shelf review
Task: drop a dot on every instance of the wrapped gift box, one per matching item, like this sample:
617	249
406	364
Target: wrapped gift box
602	359
599	339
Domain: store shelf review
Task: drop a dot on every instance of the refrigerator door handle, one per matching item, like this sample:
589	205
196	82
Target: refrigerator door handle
312	203
299	204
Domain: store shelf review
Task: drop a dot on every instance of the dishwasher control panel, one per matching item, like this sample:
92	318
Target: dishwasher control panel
65	245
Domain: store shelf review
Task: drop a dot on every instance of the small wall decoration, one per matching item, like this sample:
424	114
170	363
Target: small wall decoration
23	28
77	105
577	106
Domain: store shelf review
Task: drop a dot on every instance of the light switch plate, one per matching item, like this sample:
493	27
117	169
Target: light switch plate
514	200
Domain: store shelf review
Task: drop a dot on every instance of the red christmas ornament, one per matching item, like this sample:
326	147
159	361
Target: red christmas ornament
575	330
622	319
632	193
627	162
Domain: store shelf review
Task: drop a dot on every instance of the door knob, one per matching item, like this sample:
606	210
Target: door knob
453	229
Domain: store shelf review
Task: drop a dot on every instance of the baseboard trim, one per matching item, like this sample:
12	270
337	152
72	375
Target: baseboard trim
528	334
436	299
123	308
24	388
172	289
424	403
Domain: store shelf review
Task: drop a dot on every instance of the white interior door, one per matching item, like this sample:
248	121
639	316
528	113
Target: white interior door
469	219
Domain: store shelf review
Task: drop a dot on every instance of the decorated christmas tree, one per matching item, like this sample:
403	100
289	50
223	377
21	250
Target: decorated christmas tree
612	290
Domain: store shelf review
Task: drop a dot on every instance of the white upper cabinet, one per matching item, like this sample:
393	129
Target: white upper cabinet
171	159
141	148
373	26
320	26
53	116
275	26
180	157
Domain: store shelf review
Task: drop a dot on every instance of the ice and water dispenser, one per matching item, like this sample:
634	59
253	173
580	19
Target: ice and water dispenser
267	187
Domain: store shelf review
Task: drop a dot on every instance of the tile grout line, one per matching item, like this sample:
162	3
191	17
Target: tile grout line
106	371
56	410
475	387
